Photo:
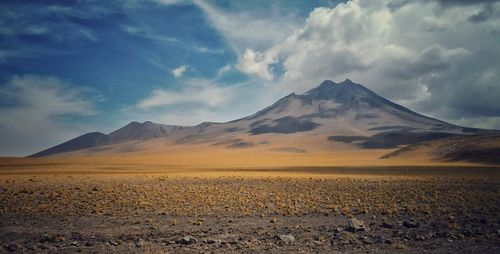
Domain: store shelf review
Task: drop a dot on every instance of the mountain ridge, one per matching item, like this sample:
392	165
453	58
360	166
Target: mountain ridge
340	113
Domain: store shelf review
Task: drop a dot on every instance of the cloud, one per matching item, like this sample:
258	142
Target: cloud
53	21
191	117
464	2
198	92
144	32
201	100
177	72
483	15
251	29
429	58
223	71
480	122
49	25
256	63
35	110
169	2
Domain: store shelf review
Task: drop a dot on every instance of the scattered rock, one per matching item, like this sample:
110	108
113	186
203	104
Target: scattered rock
30	246
388	241
114	243
420	237
211	241
140	243
454	226
338	230
187	240
12	247
288	238
355	225
400	246
46	238
273	220
43	247
59	238
318	238
387	225
365	240
410	224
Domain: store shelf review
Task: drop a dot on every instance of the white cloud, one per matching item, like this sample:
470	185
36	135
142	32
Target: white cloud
49	96
194	116
34	110
248	29
256	63
177	72
196	91
145	32
207	50
18	21
169	2
201	100
223	71
419	53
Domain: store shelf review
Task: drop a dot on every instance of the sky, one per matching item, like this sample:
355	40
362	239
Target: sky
75	66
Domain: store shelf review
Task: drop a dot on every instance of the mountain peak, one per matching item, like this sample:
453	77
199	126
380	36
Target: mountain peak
346	82
329	90
344	108
135	124
327	83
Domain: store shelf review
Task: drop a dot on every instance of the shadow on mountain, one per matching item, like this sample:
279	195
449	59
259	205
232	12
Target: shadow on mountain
488	155
285	125
88	140
289	150
391	139
480	148
234	143
393	128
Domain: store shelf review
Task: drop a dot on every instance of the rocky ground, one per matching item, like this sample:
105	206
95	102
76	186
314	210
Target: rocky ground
154	213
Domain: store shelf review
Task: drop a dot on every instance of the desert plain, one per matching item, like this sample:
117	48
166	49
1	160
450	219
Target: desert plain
162	204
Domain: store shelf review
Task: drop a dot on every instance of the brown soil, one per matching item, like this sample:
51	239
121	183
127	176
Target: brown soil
411	210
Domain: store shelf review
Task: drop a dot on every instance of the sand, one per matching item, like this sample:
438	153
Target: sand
153	204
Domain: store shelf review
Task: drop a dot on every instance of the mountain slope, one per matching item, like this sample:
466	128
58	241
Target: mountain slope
332	116
133	131
88	140
483	148
141	131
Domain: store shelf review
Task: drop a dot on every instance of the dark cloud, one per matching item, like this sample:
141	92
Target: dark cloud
434	60
468	89
465	2
482	16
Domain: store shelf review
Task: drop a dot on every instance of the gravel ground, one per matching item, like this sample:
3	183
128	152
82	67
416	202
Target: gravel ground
154	213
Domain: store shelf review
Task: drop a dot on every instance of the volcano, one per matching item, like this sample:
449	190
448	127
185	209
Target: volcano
332	116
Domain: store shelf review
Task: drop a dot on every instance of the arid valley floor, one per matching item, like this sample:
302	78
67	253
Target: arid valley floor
62	208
